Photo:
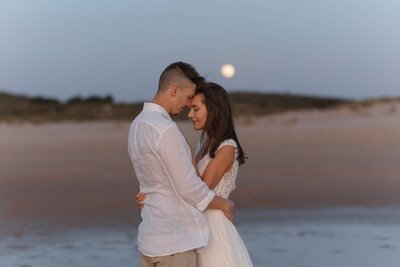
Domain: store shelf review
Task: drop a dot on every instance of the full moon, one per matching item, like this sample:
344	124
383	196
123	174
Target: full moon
228	71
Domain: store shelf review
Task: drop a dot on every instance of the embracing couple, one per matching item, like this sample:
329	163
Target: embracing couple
186	215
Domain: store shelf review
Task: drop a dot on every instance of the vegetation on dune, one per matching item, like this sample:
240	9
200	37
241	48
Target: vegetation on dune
264	104
96	108
40	109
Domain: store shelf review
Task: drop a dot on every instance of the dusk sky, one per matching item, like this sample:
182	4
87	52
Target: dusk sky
341	48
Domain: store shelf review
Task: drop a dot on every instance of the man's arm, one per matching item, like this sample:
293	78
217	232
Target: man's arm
219	203
194	159
175	156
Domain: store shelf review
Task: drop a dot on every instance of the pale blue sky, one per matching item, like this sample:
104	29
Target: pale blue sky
344	48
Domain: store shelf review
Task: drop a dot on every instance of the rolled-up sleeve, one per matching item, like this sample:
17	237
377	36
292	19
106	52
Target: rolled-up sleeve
177	160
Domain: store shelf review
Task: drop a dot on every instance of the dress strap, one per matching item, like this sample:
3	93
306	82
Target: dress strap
228	142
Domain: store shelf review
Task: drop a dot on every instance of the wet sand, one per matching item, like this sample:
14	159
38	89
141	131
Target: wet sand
333	237
76	174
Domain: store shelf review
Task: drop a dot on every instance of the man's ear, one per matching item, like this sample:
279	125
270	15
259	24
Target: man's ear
174	89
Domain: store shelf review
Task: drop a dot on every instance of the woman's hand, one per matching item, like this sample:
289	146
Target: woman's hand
140	197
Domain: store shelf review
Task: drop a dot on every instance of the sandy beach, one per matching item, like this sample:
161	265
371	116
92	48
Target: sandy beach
75	174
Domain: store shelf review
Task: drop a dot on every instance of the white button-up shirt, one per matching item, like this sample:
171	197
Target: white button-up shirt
172	218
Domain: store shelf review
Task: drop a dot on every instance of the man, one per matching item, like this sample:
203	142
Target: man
173	225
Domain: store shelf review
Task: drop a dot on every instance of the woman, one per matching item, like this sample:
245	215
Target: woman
218	156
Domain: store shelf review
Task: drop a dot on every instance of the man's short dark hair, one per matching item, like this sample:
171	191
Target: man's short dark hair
183	69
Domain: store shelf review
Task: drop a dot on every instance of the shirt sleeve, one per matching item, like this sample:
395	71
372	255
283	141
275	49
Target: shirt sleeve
177	160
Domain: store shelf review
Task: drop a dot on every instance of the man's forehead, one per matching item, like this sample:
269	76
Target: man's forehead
191	89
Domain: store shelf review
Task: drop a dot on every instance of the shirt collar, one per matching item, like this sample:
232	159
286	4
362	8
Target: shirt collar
156	108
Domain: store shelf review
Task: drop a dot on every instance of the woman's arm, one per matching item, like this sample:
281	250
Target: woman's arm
219	165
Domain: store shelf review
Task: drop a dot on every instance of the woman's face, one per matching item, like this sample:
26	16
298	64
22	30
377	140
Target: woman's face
198	112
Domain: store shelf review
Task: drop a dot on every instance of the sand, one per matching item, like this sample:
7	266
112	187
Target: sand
74	174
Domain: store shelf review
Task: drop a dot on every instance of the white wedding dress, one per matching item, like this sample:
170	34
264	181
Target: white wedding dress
226	248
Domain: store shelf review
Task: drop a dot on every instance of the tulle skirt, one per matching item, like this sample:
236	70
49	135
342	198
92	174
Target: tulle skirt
226	247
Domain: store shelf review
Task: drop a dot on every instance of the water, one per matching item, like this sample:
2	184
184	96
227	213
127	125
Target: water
331	237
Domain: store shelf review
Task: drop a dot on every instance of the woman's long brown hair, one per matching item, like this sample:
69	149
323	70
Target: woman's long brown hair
219	123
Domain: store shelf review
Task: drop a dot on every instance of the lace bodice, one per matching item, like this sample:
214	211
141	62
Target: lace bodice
228	182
